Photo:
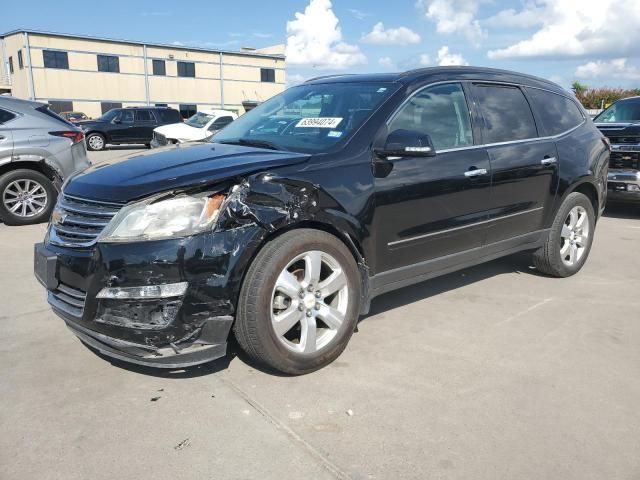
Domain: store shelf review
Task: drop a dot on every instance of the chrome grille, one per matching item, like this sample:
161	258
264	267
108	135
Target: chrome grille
67	299
77	222
160	138
624	160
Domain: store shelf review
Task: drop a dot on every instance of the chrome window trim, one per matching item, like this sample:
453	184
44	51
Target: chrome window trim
495	144
475	224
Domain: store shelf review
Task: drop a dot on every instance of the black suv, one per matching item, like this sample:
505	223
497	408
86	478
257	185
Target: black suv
297	214
126	125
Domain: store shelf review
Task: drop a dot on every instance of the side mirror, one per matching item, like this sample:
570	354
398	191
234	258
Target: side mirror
117	121
407	143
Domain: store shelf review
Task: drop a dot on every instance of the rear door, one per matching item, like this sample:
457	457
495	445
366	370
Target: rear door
524	165
430	207
144	123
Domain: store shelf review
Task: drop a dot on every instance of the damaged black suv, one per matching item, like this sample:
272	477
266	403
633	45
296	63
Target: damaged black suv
285	226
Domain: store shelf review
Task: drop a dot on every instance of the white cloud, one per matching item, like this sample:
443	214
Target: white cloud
386	62
314	38
425	60
391	36
359	14
578	28
294	79
530	16
454	16
262	35
446	58
616	68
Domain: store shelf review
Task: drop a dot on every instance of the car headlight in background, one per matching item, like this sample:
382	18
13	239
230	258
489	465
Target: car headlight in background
154	219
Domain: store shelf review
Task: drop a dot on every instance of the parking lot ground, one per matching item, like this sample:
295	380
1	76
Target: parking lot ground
494	372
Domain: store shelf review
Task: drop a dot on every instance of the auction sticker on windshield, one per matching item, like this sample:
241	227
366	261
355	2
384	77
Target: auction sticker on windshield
319	122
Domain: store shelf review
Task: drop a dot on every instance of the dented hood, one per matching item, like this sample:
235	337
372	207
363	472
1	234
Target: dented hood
144	173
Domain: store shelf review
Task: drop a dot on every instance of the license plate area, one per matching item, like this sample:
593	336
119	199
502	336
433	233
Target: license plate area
45	267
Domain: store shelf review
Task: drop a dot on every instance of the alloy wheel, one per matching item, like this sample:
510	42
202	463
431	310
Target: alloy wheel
574	236
96	142
309	302
25	198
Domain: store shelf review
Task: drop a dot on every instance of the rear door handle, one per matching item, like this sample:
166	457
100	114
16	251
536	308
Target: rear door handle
475	173
549	161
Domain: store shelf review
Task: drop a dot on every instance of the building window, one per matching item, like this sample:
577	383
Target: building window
10	64
161	104
159	67
267	75
108	63
55	59
20	62
106	106
187	110
186	69
61	106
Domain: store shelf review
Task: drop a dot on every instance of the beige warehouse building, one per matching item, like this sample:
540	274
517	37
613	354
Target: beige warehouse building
93	75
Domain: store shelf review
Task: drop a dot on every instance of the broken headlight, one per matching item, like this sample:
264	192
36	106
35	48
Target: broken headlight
154	219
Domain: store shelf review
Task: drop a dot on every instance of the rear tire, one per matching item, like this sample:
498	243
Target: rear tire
96	141
299	303
26	197
569	241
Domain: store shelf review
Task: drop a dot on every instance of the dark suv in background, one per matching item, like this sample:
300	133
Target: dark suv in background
621	124
284	234
127	125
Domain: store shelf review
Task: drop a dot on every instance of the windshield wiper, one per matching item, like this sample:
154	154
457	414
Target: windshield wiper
250	142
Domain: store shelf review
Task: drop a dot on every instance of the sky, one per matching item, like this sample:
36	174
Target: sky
594	41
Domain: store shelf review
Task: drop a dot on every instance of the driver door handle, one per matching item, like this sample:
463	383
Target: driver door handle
475	173
548	161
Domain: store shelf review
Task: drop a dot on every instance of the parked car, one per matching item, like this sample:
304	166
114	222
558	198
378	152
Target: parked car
73	117
285	237
127	125
621	124
198	127
38	151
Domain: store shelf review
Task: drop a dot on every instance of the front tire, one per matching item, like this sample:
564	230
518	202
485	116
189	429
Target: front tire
299	303
569	241
96	141
26	197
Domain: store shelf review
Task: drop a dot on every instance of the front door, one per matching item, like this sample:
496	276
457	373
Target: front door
121	130
524	167
430	207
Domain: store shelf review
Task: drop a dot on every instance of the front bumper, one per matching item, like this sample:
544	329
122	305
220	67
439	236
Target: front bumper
623	185
161	332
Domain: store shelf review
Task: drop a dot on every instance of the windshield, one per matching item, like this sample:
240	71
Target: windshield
621	111
110	115
308	118
199	120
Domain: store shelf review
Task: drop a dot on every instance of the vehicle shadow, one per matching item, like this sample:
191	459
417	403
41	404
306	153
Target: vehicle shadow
128	146
519	263
623	210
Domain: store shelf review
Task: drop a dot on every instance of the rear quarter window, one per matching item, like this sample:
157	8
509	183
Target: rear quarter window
558	114
5	116
169	115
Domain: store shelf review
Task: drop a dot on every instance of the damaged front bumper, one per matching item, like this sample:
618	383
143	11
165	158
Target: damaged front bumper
161	331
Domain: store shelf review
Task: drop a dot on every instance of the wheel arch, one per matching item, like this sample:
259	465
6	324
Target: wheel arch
588	188
40	166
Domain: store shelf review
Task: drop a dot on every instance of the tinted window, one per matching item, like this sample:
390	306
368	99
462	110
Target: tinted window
506	112
20	62
621	111
10	64
55	59
60	106
439	111
126	116
557	113
169	115
6	116
144	116
106	106
267	75
159	67
108	63
187	110
186	69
